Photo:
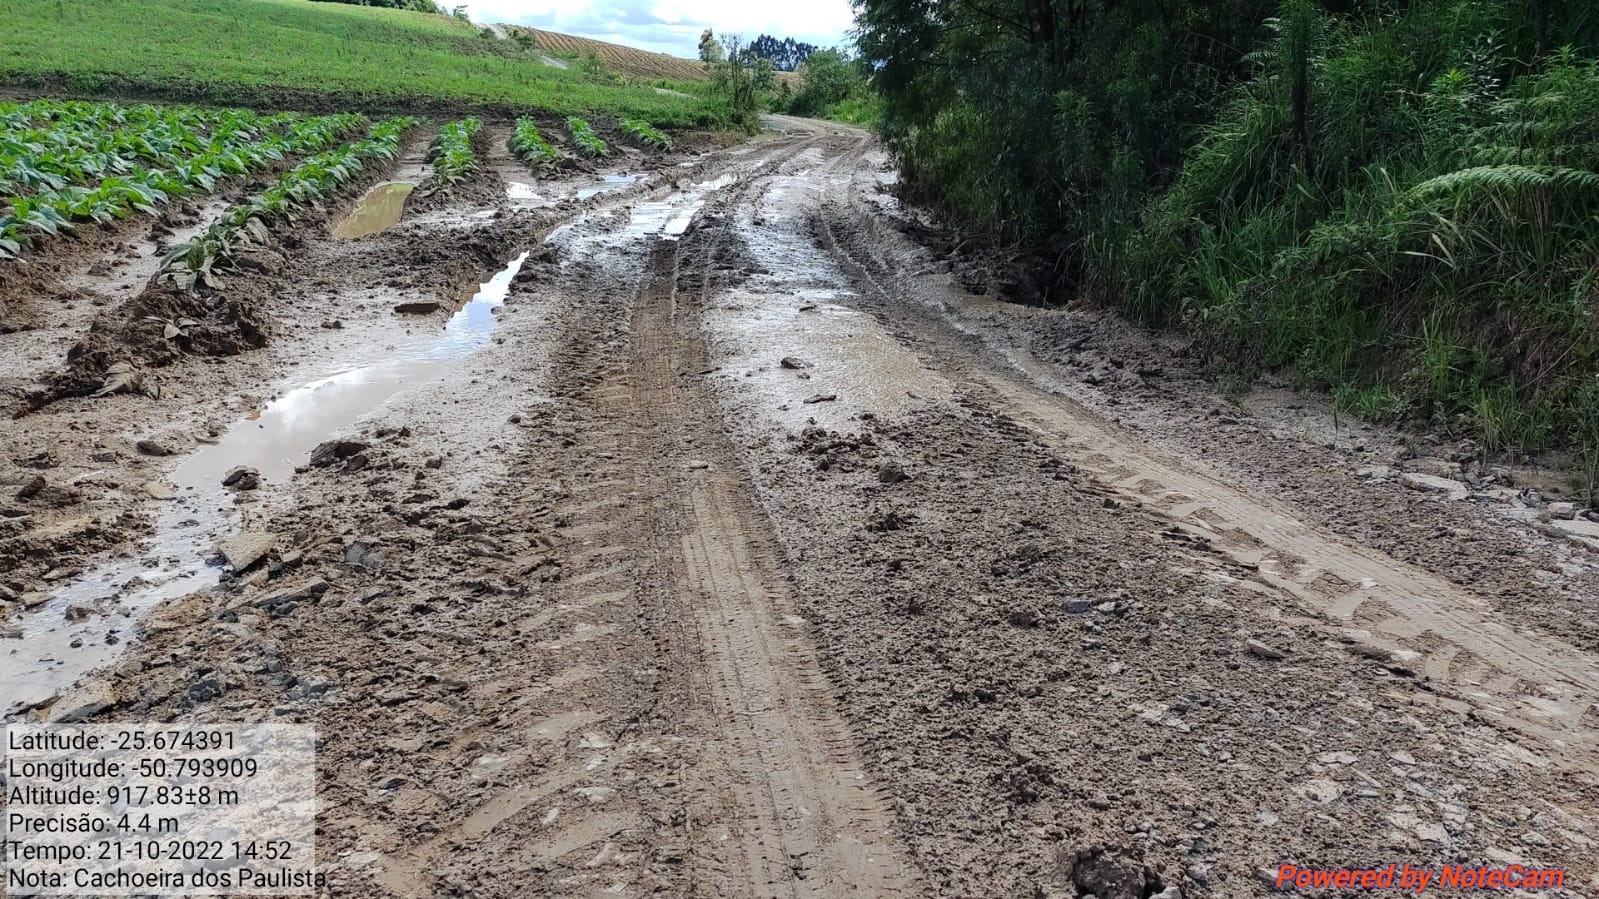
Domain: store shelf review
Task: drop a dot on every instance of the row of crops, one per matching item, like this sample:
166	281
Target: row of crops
528	144
451	155
66	163
246	225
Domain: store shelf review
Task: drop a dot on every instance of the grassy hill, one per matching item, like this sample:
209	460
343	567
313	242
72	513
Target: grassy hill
299	54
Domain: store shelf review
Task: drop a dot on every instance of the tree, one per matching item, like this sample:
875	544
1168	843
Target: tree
739	79
711	52
787	55
827	78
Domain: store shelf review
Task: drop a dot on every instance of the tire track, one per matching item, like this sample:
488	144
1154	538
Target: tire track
779	802
1395	613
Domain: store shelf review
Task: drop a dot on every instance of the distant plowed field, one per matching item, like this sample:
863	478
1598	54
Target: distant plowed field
627	60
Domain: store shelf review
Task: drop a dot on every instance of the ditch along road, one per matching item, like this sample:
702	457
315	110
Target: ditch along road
722	545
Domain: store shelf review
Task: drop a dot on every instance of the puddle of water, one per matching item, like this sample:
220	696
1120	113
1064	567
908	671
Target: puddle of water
847	353
606	185
672	216
377	210
798	308
273	441
523	192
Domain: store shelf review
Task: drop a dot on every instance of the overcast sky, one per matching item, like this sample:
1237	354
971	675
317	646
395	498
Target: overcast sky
672	26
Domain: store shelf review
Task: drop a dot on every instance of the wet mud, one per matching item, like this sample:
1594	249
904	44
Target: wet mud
705	536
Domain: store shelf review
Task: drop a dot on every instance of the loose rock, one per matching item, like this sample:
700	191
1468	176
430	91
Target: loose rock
242	477
246	548
1262	650
88	700
332	451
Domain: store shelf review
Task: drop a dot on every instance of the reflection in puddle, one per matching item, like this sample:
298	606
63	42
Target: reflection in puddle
606	185
523	192
672	216
377	210
54	651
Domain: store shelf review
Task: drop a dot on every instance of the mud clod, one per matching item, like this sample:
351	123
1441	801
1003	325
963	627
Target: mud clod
242	477
331	451
246	548
419	307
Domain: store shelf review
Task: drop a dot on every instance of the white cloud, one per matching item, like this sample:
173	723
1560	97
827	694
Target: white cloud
673	26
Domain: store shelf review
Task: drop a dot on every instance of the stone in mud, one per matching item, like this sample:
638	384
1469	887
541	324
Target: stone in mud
262	260
1263	651
122	377
890	473
794	363
89	699
159	490
333	324
242	477
1079	606
246	548
821	398
33	487
1106	872
1023	618
153	447
1427	483
1561	511
363	552
307	591
331	451
419	307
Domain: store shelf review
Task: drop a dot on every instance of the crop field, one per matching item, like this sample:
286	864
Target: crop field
315	179
65	164
626	60
293	53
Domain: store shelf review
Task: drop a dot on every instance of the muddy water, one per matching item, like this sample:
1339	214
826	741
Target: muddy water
795	310
377	210
606	185
522	193
845	354
55	651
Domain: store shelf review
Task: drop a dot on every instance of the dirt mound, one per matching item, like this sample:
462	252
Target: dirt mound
162	324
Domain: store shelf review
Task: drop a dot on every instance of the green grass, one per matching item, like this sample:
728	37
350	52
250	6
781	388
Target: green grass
298	53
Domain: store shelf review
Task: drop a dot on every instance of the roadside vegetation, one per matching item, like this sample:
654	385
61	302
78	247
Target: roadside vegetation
1397	203
276	53
315	180
833	86
745	82
64	163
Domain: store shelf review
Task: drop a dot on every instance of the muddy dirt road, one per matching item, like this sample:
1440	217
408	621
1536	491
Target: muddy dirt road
711	541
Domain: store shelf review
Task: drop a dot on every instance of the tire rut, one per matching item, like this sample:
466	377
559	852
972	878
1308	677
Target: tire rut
1395	613
782	805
